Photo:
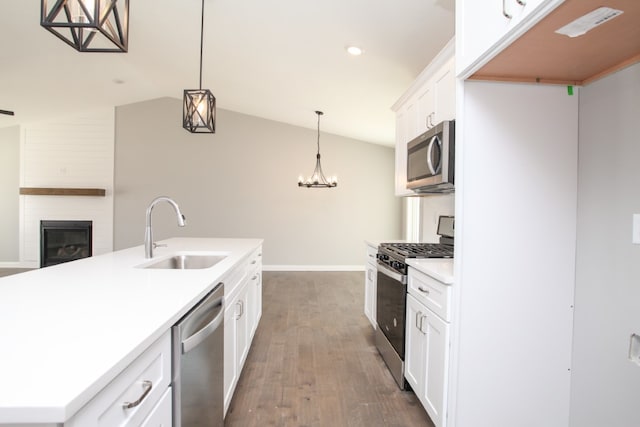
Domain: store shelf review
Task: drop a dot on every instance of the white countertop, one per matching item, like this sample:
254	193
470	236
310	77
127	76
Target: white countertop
440	269
66	331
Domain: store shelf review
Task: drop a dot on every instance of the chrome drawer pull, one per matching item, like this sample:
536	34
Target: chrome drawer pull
521	2
147	385
421	289
255	276
254	261
504	10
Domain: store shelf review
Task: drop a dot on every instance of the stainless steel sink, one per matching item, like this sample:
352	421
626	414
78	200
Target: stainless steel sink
186	262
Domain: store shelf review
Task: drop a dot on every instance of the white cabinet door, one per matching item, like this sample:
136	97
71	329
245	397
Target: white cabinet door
230	352
370	281
414	356
243	331
255	301
370	293
483	28
160	416
402	137
426	108
444	93
426	363
236	341
436	366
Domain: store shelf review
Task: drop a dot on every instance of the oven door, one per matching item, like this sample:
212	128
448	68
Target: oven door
390	306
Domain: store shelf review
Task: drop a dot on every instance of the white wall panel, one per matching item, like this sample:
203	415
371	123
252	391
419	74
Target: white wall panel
605	383
516	253
74	152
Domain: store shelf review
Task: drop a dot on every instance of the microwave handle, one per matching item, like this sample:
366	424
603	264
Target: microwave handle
433	141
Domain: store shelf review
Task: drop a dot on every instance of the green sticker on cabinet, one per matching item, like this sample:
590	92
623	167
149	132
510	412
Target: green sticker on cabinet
569	90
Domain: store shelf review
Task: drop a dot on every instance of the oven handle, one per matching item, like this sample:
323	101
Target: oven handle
393	274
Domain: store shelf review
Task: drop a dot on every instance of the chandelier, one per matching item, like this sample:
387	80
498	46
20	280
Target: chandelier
318	180
199	105
88	25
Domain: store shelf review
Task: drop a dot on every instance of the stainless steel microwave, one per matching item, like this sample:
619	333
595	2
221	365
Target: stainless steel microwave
431	160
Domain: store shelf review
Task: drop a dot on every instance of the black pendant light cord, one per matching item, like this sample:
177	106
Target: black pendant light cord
201	42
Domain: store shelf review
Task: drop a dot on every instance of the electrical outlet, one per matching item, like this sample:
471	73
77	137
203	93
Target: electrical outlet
634	349
635	233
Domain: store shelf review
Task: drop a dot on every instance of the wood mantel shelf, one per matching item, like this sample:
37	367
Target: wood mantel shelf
39	191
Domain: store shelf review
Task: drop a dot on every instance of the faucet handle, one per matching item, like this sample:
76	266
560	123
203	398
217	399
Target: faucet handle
159	245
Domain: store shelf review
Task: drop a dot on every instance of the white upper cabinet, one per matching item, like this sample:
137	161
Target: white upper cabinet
484	28
430	100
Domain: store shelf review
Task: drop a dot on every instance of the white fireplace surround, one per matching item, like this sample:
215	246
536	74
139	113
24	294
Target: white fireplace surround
73	152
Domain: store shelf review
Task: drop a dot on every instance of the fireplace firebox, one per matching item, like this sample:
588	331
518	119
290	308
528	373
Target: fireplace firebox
63	241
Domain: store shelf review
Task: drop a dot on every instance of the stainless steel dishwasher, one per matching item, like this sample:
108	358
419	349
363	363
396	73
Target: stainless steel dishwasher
198	364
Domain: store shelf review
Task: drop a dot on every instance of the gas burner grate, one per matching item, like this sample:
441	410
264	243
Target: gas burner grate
419	250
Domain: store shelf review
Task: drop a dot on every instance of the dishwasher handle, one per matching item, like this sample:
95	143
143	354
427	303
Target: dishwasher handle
195	339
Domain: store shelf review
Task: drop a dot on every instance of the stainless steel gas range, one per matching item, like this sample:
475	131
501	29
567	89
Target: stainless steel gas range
391	293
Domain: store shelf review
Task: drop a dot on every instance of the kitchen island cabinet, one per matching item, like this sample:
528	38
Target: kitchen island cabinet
103	314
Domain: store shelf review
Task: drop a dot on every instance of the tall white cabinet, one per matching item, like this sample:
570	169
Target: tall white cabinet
515	201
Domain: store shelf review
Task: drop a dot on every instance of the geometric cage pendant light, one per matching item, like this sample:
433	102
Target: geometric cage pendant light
199	105
88	25
317	179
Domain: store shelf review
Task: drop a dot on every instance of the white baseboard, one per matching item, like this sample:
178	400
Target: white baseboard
313	268
20	264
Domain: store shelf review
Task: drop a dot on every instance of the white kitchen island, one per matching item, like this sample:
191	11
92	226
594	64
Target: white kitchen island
67	331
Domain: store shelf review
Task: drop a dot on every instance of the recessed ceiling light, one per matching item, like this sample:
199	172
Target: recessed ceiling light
355	50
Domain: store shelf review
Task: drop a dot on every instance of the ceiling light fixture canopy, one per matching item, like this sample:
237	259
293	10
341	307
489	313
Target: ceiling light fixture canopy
199	105
88	25
318	180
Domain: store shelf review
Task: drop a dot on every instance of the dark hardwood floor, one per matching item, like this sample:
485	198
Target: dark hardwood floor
313	361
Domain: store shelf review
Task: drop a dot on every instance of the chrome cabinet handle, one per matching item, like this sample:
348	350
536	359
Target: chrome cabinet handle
255	276
419	317
421	324
241	305
147	386
504	10
521	2
423	290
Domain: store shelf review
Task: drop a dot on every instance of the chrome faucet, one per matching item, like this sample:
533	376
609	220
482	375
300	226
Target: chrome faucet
148	233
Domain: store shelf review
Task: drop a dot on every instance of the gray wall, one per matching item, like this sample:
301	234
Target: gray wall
9	197
605	384
242	182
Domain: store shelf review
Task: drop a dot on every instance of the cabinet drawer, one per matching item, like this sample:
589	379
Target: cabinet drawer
430	292
142	384
162	414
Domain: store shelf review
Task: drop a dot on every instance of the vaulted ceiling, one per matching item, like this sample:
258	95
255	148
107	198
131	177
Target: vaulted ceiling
278	59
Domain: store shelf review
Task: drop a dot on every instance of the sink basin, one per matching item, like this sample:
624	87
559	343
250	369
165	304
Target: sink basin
187	262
